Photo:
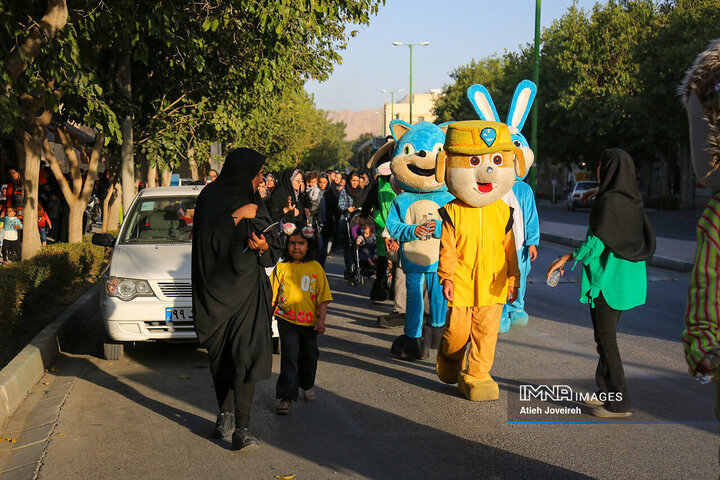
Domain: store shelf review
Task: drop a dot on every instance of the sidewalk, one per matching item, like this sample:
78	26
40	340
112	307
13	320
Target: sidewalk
670	253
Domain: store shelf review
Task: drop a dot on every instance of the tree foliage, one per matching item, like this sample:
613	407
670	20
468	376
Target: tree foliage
608	77
226	71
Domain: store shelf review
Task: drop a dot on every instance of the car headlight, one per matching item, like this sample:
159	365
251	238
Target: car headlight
127	288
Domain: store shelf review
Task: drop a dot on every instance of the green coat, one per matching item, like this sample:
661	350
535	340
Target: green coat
386	195
623	283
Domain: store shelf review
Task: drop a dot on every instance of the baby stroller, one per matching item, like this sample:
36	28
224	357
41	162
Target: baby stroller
363	251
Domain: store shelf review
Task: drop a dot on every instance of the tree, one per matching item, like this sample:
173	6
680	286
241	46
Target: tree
185	74
453	104
77	194
331	149
21	108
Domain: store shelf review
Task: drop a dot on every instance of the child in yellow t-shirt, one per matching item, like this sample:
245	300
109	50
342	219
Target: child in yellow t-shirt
301	293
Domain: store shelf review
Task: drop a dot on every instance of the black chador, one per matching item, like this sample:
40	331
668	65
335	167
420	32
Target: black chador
231	291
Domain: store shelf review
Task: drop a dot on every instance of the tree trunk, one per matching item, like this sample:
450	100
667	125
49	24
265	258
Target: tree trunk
106	207
664	175
194	172
115	207
687	178
166	177
75	221
76	195
127	167
54	19
31	148
127	164
152	176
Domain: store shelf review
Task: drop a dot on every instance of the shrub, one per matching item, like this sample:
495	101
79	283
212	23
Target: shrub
33	292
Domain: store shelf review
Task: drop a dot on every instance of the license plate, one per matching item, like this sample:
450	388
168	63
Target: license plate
174	314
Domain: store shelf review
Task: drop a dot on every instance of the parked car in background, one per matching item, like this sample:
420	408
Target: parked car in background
575	195
147	294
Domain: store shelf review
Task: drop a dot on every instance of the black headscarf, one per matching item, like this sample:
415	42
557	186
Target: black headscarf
232	189
279	198
617	217
358	193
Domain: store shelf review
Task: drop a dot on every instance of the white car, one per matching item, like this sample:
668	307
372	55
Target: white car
146	290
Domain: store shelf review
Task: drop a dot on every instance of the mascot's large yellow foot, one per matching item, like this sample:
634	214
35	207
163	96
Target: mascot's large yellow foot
478	390
448	370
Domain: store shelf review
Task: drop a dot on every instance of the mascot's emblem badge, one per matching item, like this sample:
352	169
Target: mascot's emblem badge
488	135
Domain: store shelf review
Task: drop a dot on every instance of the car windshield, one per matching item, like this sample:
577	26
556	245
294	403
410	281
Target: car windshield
160	219
586	185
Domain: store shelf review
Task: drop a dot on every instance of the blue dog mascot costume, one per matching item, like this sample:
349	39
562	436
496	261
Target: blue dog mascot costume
526	227
413	166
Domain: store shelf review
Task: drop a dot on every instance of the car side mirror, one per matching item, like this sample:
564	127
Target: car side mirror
103	239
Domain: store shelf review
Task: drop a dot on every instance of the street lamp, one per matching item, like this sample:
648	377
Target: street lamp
392	100
536	80
382	123
411	45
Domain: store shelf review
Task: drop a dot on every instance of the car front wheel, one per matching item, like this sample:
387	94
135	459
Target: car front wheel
113	350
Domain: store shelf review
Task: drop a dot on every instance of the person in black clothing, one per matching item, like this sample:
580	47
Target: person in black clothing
232	297
287	202
326	217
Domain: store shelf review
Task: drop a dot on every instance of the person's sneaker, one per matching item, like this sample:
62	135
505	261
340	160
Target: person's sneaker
224	425
243	439
603	412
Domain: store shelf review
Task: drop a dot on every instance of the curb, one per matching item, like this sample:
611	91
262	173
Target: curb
27	368
655	261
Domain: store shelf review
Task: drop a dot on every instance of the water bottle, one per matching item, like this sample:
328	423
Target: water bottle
430	221
423	221
554	278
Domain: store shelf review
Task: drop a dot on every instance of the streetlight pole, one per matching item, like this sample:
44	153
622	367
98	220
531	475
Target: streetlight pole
536	79
392	100
411	45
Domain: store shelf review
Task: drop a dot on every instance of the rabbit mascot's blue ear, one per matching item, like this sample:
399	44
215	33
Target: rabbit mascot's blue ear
520	106
482	102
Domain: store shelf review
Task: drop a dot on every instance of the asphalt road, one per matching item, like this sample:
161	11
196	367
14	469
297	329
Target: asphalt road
677	224
150	415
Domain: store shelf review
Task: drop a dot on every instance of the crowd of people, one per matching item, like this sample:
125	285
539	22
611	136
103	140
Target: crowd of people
336	204
52	210
234	248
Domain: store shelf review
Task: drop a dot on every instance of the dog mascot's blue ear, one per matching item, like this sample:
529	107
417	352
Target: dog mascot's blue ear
398	128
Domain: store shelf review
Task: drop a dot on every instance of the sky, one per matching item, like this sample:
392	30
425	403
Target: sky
458	31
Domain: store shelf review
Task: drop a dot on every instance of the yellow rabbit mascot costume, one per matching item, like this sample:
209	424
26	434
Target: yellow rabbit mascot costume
478	263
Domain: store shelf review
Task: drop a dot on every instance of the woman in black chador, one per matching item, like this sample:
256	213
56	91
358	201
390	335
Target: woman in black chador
288	202
231	292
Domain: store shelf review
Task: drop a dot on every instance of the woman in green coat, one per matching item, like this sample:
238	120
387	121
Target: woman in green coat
613	254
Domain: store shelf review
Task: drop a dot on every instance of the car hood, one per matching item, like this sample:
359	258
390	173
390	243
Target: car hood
154	262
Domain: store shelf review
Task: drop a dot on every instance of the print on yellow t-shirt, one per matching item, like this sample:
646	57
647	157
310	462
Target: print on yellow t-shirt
298	289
